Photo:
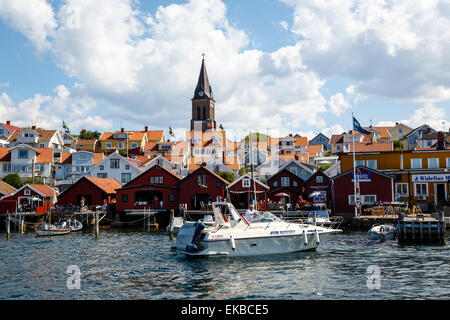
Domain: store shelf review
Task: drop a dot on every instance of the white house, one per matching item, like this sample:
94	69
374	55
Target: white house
117	167
6	130
22	158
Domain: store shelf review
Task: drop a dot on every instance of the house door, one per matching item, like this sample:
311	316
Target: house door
440	193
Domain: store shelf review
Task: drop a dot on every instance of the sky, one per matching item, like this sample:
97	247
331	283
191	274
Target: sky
276	66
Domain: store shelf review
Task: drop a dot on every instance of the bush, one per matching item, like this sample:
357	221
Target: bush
229	176
13	180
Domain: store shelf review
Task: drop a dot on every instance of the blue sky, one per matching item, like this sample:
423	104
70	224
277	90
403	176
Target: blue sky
287	66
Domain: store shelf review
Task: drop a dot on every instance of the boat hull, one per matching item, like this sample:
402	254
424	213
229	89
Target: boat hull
52	232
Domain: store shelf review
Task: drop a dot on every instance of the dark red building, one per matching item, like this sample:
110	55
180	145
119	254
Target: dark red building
33	197
202	186
156	188
241	189
92	191
285	186
318	183
374	186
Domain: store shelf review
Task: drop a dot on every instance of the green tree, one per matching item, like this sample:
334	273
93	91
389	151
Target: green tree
398	145
328	153
243	171
13	180
257	137
123	153
36	181
89	135
325	167
229	176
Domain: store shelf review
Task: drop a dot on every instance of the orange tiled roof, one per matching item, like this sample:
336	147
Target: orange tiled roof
372	147
6	188
44	189
10	127
44	135
155	135
108	185
66	157
5	156
85	142
98	157
314	148
45	155
301	141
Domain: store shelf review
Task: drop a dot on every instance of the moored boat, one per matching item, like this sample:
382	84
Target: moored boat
232	235
74	224
382	232
45	229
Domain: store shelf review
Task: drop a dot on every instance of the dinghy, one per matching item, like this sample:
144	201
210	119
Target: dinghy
46	229
382	232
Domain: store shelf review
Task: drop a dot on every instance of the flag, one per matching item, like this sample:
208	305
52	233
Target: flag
171	132
357	127
203	186
65	127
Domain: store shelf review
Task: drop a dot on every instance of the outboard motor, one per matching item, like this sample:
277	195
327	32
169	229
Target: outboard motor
196	232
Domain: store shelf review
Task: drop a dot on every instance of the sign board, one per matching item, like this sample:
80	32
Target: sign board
431	177
362	177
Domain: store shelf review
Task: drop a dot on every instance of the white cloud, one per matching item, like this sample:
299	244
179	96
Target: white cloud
32	18
338	104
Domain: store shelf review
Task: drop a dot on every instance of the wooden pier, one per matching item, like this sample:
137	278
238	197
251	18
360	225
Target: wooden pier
421	231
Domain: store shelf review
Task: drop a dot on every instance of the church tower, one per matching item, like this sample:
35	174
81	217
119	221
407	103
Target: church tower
203	111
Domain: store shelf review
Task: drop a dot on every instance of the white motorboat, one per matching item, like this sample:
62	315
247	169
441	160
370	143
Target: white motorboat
46	229
177	224
382	232
74	224
232	235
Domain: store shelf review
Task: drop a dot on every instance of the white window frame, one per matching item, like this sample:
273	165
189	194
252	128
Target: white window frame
319	180
429	161
285	179
108	145
415	189
127	175
246	183
412	161
27	192
359	163
293	170
376	164
402	194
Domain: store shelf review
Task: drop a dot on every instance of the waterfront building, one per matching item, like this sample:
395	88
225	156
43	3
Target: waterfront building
75	165
421	176
155	188
44	198
321	139
410	140
321	183
202	186
374	186
399	131
90	192
85	145
38	138
285	186
6	130
240	191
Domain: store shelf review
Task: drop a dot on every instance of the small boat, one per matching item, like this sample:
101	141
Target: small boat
177	224
232	235
382	232
46	229
74	224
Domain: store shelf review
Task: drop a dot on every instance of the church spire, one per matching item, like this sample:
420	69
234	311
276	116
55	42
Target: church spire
203	89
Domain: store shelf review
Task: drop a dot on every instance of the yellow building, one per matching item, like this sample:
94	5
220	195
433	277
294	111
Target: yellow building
421	177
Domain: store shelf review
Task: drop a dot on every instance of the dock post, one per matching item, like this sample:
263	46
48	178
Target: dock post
413	229
172	218
149	222
8	226
97	225
429	230
421	230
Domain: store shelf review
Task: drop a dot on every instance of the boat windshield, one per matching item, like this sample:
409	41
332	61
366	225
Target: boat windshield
318	214
265	217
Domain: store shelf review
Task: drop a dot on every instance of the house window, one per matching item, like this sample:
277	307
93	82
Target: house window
2	131
108	145
219	184
127	167
448	163
285	182
293	170
156	180
433	163
68	169
124	198
400	130
171	197
401	190
369	199
7	167
275	183
15	168
114	163
372	164
125	177
359	163
421	189
102	175
23	154
201	180
102	167
303	171
245	183
82	156
294	183
160	162
134	145
27	192
338	148
416	163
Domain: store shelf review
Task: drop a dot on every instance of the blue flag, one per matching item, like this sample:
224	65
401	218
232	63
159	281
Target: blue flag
357	127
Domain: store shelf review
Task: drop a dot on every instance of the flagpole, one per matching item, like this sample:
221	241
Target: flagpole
354	166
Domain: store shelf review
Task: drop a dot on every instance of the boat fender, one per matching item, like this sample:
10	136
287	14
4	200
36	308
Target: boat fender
232	243
305	238
316	234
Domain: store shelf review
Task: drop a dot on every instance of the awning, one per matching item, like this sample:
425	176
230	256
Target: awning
281	194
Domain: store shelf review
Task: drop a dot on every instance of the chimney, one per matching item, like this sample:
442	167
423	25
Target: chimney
396	123
8	122
296	157
33	127
290	135
146	128
122	130
203	164
441	141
